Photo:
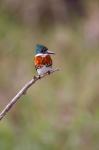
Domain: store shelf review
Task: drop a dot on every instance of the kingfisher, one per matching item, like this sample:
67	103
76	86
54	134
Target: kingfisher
43	60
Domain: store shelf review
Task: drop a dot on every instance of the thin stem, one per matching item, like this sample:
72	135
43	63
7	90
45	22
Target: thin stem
22	92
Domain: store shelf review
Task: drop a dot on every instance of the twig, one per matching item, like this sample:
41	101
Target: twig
22	92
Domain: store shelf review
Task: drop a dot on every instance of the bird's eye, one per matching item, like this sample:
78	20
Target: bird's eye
44	49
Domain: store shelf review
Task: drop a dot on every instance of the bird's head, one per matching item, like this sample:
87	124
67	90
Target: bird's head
41	49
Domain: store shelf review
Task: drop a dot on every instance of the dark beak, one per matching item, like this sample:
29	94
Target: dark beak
50	52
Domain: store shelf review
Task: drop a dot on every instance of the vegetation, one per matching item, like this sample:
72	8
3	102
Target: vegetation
62	111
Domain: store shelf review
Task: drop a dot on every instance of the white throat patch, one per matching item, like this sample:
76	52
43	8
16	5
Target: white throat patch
40	54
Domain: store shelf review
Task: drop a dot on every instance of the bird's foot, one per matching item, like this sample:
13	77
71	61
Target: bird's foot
49	72
34	77
39	76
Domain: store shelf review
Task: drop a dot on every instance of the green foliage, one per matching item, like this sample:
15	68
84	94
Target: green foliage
6	136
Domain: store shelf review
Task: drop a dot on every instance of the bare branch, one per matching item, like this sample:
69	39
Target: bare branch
22	92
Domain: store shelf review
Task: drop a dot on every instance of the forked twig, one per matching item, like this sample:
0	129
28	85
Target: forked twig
22	92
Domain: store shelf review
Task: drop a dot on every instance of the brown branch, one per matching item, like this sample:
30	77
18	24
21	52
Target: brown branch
22	92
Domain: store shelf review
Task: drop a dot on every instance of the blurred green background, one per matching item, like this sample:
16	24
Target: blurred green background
60	112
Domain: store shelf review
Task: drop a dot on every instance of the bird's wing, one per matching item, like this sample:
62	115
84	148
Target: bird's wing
38	61
48	60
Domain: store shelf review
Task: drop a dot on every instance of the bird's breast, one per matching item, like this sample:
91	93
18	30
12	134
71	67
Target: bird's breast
43	60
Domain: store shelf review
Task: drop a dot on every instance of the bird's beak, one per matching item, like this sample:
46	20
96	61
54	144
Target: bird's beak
50	52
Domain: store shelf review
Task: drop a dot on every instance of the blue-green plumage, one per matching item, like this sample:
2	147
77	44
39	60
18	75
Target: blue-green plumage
40	49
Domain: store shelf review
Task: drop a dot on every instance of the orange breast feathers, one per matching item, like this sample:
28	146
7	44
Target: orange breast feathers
41	61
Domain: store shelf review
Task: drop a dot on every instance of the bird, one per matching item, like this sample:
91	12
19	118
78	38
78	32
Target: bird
42	59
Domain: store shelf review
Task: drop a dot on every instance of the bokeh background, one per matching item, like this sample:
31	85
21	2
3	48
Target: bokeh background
60	112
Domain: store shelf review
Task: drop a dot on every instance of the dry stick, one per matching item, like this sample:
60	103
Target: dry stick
22	92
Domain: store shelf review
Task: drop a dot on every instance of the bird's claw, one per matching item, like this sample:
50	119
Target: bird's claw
39	77
49	72
34	77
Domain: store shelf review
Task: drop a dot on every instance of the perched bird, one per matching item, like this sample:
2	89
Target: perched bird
42	60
